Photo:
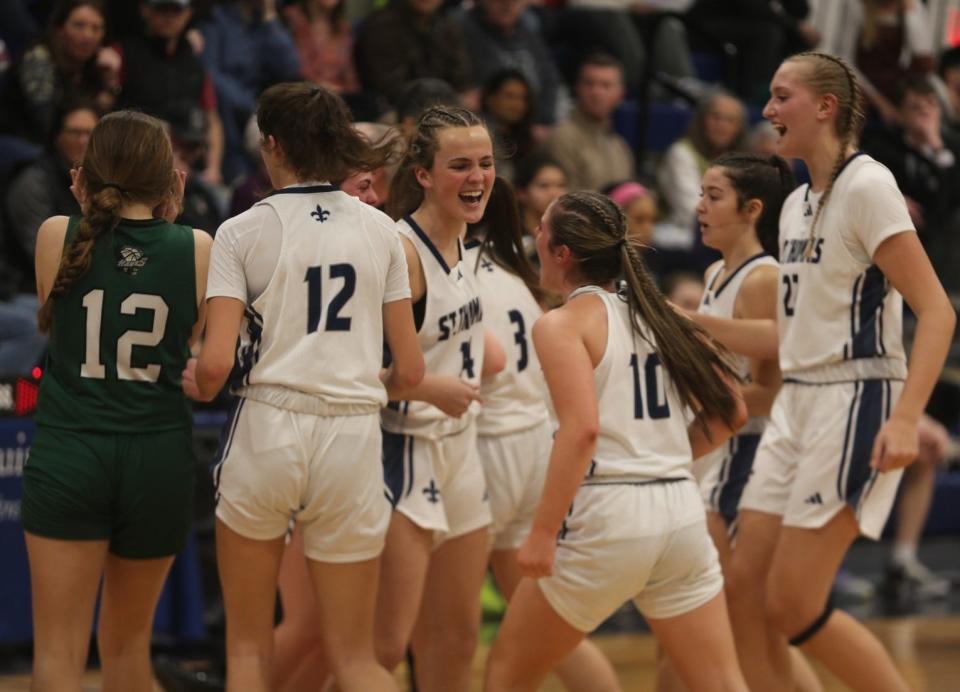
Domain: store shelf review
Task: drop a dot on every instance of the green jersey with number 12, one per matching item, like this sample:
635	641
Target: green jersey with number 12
120	336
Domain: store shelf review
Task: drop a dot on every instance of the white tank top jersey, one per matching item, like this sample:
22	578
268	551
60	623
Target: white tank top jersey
312	341
451	338
719	299
643	425
515	399
839	318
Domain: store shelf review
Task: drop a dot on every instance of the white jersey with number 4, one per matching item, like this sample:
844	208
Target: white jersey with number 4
312	341
839	318
451	338
643	427
515	399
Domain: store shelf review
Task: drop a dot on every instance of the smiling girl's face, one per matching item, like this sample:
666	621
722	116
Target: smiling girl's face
792	109
462	175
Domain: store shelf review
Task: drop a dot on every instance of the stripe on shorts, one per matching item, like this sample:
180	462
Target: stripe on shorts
397	465
226	440
864	419
734	475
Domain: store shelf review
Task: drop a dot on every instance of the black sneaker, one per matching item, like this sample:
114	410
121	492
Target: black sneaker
175	677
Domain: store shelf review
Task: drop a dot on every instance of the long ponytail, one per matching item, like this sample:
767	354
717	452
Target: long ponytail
594	229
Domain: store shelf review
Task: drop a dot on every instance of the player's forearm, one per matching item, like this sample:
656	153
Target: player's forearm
935	326
759	398
212	374
751	338
573	448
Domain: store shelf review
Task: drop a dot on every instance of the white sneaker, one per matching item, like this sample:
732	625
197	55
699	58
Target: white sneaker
849	585
918	578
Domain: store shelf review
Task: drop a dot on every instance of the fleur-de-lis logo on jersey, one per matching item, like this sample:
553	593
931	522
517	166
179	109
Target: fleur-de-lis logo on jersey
131	260
320	214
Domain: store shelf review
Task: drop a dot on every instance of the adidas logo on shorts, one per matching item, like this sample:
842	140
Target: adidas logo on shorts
814	499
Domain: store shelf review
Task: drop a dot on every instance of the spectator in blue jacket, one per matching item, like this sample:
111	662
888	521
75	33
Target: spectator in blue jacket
246	49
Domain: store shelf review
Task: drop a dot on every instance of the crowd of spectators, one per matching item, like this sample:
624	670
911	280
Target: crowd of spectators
592	94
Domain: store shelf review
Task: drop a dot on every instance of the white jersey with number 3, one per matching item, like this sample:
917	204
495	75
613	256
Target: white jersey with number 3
643	428
312	341
515	399
451	338
839	318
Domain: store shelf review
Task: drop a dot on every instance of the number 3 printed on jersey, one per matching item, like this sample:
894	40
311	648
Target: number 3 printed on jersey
92	367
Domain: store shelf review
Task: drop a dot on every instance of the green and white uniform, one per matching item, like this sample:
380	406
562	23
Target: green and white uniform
111	458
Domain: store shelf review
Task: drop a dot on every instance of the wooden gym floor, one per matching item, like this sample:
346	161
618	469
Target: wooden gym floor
926	649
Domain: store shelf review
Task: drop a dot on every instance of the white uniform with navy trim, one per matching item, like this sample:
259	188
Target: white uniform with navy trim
723	473
430	459
839	318
514	434
310	331
636	528
841	353
303	440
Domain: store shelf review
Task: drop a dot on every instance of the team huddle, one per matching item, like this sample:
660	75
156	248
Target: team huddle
408	412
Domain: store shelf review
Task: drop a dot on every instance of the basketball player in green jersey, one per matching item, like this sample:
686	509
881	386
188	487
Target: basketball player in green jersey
108	487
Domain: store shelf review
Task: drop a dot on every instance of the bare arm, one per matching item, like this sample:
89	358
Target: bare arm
757	299
753	338
903	261
568	369
213	365
494	357
202	242
50	239
406	368
706	432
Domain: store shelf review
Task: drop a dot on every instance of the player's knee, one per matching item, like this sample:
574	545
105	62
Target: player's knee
500	673
796	616
459	644
306	633
742	581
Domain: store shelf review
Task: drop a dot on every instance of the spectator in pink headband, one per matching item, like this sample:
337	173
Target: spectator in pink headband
639	206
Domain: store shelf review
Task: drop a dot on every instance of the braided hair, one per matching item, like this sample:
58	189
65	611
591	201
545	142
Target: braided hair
128	159
503	239
829	74
595	230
